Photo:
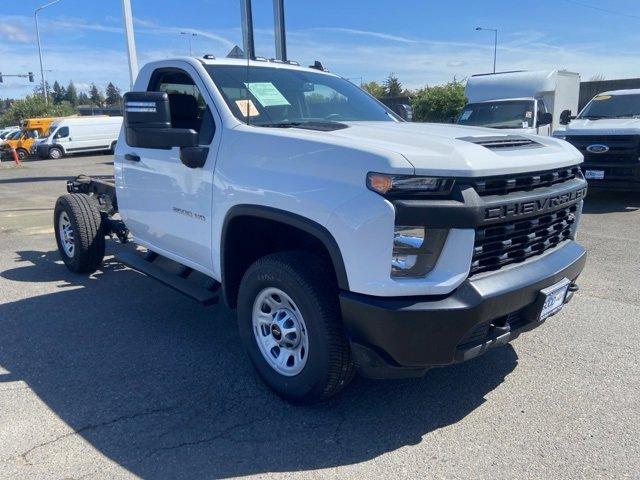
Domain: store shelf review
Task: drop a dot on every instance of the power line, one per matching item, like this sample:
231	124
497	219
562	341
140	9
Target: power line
605	10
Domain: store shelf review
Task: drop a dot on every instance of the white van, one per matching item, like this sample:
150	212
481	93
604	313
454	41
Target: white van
79	135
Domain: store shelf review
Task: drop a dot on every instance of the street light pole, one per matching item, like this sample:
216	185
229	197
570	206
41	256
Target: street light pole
495	43
35	15
189	35
131	43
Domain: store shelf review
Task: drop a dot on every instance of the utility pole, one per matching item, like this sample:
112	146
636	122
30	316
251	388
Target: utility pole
44	82
131	43
495	43
247	29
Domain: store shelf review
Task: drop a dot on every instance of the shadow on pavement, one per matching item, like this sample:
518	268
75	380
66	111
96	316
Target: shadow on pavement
607	202
161	386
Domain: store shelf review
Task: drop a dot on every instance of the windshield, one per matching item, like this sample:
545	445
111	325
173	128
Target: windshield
612	106
509	114
266	96
15	135
50	131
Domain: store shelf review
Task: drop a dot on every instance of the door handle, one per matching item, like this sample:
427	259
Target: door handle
132	157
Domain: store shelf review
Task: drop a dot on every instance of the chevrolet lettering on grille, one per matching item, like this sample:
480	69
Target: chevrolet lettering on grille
537	206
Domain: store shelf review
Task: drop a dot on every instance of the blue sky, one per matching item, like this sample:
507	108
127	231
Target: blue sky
422	41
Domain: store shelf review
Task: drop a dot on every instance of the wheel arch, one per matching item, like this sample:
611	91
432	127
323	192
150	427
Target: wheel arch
231	274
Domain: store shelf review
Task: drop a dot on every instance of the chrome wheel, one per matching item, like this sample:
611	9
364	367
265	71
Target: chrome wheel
280	332
65	231
55	154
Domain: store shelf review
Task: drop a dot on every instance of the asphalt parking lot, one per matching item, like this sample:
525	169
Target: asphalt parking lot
116	376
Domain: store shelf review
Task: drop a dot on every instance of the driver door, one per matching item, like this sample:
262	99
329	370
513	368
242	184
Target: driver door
167	205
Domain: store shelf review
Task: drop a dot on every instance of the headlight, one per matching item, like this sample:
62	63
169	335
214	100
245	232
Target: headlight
385	184
415	250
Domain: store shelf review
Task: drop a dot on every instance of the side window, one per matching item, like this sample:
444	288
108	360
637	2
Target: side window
63	132
188	107
542	108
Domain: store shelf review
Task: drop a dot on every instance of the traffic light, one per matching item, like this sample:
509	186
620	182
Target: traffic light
31	77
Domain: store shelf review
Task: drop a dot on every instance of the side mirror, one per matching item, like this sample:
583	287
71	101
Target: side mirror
565	117
147	122
545	119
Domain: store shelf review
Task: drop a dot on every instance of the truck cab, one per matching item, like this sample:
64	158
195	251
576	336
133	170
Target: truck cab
516	115
607	133
344	238
30	130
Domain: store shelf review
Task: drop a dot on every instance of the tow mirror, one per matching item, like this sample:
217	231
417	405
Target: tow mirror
147	122
565	117
545	119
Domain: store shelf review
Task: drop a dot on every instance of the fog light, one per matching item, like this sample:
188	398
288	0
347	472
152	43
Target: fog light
415	250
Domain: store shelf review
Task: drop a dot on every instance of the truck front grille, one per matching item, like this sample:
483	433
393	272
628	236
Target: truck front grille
504	184
623	149
515	241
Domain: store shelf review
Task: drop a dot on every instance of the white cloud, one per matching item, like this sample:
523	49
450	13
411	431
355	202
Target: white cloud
14	33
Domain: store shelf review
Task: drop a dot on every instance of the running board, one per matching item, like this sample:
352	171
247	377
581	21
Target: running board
179	282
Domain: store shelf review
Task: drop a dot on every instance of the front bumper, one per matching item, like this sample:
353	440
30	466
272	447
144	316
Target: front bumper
399	337
618	177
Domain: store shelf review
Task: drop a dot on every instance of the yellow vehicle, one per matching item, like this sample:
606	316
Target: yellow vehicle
30	130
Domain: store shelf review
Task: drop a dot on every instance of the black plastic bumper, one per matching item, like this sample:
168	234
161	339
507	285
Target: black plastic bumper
399	337
42	151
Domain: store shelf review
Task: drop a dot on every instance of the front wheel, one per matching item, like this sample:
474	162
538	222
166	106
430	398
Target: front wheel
55	153
22	154
290	324
79	233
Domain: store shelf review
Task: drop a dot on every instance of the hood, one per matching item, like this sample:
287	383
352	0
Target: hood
612	126
447	149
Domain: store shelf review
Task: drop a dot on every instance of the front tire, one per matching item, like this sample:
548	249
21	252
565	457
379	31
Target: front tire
22	154
79	232
290	324
55	153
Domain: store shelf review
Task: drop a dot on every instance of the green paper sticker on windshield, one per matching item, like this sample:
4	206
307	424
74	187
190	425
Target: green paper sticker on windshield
267	94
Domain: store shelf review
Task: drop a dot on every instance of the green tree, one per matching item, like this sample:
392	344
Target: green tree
96	96
392	86
113	96
440	103
38	88
58	93
83	99
34	106
374	88
72	94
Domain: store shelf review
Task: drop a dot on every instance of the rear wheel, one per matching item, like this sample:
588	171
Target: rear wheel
55	153
289	321
79	232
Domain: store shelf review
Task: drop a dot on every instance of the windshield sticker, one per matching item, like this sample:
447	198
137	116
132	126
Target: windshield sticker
247	108
525	124
267	94
528	114
602	97
466	114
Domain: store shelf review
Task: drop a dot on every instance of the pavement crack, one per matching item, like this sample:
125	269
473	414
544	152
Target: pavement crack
226	434
25	455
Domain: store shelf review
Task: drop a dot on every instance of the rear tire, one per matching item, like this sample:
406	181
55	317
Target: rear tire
79	232
303	287
55	153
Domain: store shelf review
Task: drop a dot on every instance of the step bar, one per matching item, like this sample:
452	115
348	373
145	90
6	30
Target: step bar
179	282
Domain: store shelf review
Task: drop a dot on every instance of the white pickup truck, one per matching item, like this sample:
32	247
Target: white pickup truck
607	133
345	238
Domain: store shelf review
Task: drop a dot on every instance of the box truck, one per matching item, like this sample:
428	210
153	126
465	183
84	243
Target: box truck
523	101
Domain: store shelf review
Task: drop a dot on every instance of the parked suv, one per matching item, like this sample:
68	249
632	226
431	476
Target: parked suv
345	238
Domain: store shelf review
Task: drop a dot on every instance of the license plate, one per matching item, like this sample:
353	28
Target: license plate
594	174
554	298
